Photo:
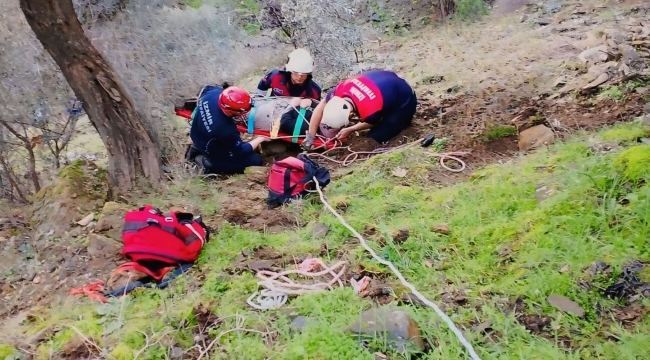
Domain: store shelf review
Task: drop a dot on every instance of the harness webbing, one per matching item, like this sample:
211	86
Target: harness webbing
299	121
134	226
251	120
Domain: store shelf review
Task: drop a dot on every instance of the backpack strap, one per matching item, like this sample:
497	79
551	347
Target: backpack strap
195	237
288	189
298	126
251	120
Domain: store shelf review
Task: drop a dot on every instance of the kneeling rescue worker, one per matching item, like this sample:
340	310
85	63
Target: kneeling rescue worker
215	135
294	80
384	102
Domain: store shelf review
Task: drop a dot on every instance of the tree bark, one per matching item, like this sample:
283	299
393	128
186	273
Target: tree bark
131	149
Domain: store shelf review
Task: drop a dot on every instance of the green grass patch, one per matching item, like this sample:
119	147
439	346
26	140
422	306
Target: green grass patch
503	244
611	92
500	132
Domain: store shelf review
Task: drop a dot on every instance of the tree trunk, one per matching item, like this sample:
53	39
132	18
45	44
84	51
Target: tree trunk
130	146
31	170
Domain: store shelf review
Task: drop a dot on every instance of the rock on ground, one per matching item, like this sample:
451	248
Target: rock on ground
111	219
399	330
535	137
319	230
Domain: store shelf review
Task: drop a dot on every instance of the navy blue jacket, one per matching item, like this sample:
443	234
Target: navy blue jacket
213	133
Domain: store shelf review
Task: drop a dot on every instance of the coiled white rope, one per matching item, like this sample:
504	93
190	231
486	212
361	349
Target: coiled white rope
278	285
267	300
404	282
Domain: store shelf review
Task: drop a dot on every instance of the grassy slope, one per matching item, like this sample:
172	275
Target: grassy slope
497	207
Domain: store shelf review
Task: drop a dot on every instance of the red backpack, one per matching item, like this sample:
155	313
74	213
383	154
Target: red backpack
292	177
156	242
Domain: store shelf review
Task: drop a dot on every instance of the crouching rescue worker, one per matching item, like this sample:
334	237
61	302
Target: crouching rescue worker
384	102
295	79
215	135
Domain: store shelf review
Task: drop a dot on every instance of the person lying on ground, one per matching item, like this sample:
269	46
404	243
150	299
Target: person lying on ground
291	111
384	102
295	79
215	135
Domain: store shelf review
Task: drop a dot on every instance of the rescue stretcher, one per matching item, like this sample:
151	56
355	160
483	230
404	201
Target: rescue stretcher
185	111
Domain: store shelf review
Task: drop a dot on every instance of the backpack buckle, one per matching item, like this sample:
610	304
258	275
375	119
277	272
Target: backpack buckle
169	219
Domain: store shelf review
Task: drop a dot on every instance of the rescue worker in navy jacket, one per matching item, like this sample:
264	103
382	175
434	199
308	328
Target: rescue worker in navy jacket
295	79
384	102
215	135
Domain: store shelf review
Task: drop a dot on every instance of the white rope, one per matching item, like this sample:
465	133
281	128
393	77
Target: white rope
267	300
415	292
278	286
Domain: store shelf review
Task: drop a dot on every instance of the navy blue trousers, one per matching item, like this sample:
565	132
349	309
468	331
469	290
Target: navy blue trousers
393	123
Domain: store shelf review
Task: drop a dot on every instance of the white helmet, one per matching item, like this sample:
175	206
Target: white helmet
300	61
336	114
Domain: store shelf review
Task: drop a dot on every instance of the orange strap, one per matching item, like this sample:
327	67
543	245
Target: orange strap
93	290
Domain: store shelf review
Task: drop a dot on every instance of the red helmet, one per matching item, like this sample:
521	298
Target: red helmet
234	101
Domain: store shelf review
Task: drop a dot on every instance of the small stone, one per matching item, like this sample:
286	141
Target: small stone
259	265
601	79
646	108
523	18
595	55
560	81
441	229
565	269
111	219
3	239
177	352
300	322
37	280
566	305
319	231
535	137
615	35
100	246
542	193
643	90
542	22
76	232
397	328
86	220
629	53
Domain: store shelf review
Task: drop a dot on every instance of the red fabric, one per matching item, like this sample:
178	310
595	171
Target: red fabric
93	290
364	93
277	178
187	114
151	235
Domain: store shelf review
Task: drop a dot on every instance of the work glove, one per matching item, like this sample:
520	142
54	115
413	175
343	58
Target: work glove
308	144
